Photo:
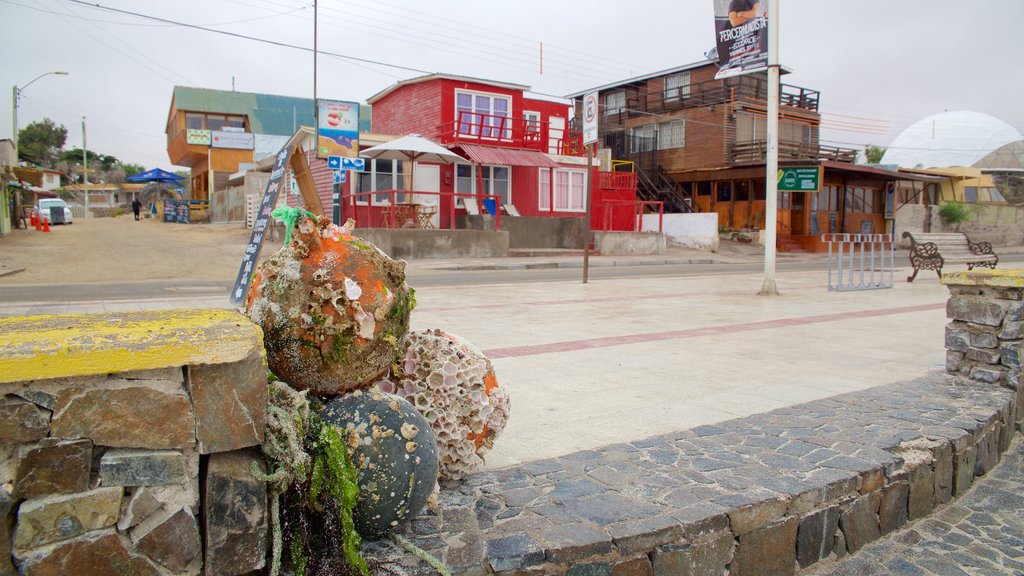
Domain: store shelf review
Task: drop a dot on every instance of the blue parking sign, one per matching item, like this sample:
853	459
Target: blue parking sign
334	162
340	177
353	163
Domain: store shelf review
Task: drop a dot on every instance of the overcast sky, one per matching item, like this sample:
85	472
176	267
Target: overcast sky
879	64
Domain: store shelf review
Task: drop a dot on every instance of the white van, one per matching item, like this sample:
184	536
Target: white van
45	204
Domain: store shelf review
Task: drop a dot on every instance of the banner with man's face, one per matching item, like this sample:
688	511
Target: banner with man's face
741	36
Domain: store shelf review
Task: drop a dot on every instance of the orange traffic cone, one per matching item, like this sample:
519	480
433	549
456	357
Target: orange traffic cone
46	224
32	219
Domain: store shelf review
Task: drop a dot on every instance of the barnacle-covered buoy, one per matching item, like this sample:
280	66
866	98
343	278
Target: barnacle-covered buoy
453	385
333	308
395	455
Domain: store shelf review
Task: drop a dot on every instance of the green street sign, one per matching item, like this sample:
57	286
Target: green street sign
799	179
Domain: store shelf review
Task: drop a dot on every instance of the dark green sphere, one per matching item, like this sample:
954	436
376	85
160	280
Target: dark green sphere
394	452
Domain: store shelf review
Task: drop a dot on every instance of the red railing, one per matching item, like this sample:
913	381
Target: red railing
617	180
504	131
411	214
636	208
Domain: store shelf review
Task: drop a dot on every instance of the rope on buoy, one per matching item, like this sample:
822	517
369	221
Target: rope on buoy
289	216
421	554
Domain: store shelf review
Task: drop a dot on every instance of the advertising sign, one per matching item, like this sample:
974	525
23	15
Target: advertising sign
252	250
236	140
200	137
358	164
741	36
590	118
340	177
176	211
337	131
799	179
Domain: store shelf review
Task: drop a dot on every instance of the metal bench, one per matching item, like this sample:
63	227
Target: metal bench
932	251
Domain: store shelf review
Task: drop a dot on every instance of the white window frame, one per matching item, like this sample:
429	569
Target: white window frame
371	170
531	119
474	129
636	131
488	178
677	85
575	200
612	108
668	138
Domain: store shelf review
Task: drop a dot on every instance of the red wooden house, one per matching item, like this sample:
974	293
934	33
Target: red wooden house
523	156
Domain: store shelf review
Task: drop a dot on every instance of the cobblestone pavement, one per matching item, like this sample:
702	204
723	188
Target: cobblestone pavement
980	533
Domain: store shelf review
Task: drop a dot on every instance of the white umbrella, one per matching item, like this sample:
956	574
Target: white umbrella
413	148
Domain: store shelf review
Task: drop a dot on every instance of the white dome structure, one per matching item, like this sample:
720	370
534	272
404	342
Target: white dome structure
959	138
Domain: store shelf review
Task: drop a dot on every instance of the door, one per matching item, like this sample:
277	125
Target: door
799	214
427	178
556	133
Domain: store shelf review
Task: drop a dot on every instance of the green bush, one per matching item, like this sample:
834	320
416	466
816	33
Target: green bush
117	212
954	213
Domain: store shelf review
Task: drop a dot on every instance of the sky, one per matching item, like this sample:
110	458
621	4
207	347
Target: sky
880	65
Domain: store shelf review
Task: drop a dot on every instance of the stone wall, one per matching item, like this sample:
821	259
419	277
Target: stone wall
999	225
985	340
127	442
698	230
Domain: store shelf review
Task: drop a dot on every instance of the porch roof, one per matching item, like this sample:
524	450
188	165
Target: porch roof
755	171
506	156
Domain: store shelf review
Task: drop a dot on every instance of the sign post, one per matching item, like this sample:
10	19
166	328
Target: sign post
589	140
259	227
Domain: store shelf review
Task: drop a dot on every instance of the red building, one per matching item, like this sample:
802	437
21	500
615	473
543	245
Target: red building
523	156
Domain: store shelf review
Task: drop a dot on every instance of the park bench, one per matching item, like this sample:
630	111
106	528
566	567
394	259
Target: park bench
933	250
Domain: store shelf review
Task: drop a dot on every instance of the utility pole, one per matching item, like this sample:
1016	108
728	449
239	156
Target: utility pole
769	287
85	168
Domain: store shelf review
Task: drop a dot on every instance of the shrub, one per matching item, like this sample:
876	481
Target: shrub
117	212
954	213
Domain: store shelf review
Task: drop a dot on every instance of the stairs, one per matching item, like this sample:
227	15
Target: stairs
785	243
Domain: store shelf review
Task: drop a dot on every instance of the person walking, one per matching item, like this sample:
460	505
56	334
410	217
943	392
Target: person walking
136	207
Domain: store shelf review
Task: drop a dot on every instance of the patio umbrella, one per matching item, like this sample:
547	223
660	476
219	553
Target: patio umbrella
414	148
155	175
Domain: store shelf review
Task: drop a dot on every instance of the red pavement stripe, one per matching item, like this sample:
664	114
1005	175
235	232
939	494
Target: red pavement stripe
608	341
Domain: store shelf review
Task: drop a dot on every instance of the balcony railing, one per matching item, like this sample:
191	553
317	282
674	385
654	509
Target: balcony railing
715	92
756	152
493	130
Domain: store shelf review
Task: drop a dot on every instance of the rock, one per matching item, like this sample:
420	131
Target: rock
859	521
768	550
53	467
127	467
229	401
139	506
395	455
975	310
709	554
8	509
333	308
892	512
751	517
235	515
816	535
514	552
171	539
22	421
51	519
99	553
126	414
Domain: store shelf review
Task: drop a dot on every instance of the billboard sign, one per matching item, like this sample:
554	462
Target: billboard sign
199	137
800	179
590	118
235	140
741	36
337	131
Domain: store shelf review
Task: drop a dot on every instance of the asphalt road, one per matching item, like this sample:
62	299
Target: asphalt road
417	277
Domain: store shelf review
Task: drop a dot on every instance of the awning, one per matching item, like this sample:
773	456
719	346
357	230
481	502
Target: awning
506	156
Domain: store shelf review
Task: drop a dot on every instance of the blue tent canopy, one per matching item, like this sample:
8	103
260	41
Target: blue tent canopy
155	175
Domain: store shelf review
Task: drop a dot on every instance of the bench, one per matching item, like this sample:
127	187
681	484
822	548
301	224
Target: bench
932	251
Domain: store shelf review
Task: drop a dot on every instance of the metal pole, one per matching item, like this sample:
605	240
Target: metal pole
769	288
586	219
85	168
316	109
14	121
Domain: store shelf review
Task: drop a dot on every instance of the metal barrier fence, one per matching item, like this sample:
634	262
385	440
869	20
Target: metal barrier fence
867	260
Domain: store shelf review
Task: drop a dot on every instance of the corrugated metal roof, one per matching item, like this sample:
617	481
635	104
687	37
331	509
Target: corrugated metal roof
268	113
507	156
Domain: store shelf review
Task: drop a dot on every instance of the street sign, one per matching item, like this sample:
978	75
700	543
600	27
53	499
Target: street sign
334	162
590	118
800	179
340	176
353	164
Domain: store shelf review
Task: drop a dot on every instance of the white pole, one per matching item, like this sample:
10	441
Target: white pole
769	288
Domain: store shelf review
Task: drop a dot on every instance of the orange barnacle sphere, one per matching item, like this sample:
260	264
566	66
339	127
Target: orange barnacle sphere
332	306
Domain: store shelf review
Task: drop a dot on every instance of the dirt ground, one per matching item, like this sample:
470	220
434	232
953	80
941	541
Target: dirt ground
121	249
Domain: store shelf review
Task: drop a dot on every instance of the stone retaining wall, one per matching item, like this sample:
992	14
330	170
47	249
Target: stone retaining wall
126	444
766	494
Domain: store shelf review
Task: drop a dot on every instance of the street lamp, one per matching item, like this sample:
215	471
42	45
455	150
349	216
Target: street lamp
17	94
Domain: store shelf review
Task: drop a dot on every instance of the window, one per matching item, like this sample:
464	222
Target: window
379	175
194	121
672	134
214	122
642	138
483	115
677	86
568	190
614	102
532	121
970	193
235	122
496	181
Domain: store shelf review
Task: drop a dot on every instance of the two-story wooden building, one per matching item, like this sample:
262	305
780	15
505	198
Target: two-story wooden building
699	144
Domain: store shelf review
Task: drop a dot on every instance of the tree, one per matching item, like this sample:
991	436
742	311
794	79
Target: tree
41	142
131	169
874	153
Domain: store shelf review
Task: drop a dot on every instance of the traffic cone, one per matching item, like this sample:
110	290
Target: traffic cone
46	224
32	219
